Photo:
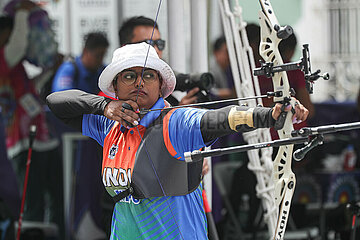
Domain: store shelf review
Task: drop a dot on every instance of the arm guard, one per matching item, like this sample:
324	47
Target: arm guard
227	120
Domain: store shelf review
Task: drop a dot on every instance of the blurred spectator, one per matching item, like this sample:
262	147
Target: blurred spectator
220	68
9	190
40	34
43	81
139	29
21	107
83	72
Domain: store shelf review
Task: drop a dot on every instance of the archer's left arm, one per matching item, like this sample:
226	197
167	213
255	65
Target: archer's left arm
231	119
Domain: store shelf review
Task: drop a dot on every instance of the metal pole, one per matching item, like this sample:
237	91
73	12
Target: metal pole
199	46
199	61
32	135
176	43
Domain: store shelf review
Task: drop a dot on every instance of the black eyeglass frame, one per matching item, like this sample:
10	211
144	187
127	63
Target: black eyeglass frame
138	74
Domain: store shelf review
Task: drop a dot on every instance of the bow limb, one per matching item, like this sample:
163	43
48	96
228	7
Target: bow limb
283	176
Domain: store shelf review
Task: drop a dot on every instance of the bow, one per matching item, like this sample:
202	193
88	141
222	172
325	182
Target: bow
242	63
271	35
284	178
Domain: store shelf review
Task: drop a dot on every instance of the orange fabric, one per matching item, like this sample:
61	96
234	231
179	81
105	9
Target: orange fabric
123	158
104	95
166	135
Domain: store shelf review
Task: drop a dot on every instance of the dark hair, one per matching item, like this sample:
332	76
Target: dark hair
95	40
253	33
288	44
6	22
127	28
218	43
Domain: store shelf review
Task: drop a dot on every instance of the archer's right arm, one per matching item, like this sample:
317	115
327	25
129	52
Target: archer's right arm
70	106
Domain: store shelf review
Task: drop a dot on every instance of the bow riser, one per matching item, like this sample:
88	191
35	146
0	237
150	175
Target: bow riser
269	52
283	176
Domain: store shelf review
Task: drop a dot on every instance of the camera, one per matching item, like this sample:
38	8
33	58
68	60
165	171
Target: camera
186	82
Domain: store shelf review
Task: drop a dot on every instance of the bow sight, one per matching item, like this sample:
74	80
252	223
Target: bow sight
268	69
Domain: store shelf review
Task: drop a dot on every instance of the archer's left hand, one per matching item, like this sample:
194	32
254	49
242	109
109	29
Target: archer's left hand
300	115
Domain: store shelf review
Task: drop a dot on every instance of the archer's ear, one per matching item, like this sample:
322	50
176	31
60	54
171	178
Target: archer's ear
114	83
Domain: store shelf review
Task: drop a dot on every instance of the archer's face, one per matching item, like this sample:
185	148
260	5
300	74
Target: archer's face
142	33
128	86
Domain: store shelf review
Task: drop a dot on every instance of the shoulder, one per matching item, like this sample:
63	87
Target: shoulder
184	116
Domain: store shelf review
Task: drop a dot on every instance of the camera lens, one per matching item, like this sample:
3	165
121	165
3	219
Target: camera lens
206	81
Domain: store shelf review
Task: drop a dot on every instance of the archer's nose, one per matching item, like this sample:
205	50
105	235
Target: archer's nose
139	83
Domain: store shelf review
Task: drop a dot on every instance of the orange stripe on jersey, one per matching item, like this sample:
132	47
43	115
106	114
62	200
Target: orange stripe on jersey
166	135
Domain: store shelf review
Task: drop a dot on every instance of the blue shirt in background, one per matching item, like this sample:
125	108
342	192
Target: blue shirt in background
85	80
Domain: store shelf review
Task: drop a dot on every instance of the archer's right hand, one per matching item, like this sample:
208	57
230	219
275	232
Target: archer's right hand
115	111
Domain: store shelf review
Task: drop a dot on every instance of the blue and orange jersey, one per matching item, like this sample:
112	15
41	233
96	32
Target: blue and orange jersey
174	217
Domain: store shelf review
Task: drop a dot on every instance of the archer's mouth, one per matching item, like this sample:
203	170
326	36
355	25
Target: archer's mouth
139	92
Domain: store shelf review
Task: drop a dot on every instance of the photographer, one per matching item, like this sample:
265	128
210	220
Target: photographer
202	83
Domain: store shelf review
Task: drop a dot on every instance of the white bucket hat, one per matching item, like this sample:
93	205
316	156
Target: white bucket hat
134	55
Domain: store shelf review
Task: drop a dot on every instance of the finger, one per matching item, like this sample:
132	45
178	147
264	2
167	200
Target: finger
133	104
188	100
193	91
129	116
305	114
205	170
123	123
301	112
287	108
276	111
191	100
133	113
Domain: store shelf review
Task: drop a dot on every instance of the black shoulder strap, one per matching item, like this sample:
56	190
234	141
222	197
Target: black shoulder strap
123	194
159	119
130	189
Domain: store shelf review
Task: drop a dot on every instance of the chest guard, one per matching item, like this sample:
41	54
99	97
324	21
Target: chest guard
154	164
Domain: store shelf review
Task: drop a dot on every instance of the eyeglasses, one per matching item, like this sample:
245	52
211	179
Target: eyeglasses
159	43
129	77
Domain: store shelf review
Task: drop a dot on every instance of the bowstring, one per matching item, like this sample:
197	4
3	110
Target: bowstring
147	53
142	140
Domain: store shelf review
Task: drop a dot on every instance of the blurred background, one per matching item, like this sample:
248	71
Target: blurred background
327	190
